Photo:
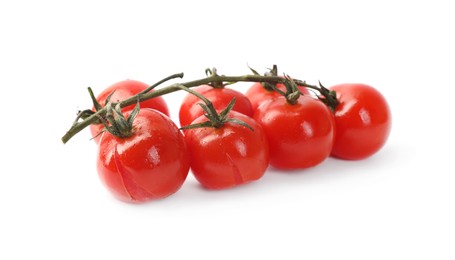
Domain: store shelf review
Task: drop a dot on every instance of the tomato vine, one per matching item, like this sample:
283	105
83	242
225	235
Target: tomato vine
88	117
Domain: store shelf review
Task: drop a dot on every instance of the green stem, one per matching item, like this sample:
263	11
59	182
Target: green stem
178	75
78	126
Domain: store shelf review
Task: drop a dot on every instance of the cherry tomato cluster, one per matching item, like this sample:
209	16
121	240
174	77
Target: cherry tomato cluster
229	138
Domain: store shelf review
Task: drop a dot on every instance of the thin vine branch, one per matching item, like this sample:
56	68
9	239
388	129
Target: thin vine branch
214	78
178	75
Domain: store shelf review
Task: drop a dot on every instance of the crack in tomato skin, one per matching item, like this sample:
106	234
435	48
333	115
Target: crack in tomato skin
238	178
134	190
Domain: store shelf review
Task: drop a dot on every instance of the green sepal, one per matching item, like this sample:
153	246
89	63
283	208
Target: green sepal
116	123
208	112
292	90
199	125
120	119
239	122
108	98
254	71
96	104
216	120
328	97
134	113
225	112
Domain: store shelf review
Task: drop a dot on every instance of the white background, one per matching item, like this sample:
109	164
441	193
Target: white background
398	204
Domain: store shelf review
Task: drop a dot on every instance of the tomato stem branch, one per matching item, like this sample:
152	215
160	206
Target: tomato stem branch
145	95
178	75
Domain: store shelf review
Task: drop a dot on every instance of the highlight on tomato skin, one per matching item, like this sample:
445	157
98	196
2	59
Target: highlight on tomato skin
363	121
228	156
123	90
151	164
220	98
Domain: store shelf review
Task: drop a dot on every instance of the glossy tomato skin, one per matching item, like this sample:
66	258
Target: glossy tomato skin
300	135
363	121
227	156
257	93
220	97
123	90
151	164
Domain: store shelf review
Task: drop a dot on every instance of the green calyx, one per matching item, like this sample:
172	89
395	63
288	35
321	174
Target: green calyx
116	123
215	119
292	91
328	97
114	120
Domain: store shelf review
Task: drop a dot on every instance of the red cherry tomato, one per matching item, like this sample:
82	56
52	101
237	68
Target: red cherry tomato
257	93
123	90
151	164
227	156
363	121
299	135
220	97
